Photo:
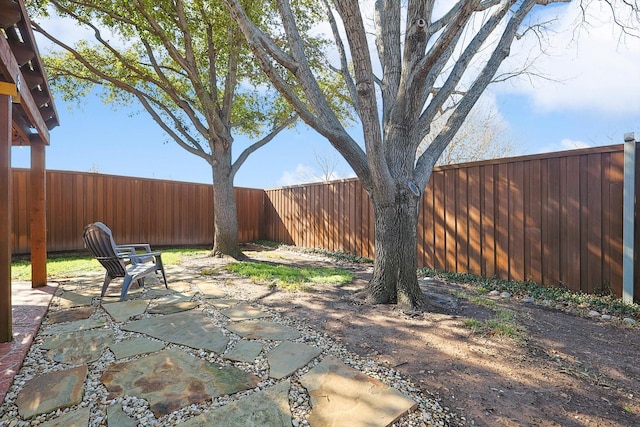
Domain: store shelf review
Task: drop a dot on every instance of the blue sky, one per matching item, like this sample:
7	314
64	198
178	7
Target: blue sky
591	98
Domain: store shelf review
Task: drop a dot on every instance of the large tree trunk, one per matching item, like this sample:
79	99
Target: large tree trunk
225	240
395	278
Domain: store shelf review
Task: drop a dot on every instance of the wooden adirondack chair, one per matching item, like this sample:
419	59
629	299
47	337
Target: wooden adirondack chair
121	260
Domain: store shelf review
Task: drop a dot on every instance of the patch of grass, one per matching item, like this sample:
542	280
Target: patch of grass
268	243
553	295
57	267
475	325
504	322
62	266
290	278
338	256
209	272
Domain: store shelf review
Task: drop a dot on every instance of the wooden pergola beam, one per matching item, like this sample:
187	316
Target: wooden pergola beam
10	67
6	332
38	216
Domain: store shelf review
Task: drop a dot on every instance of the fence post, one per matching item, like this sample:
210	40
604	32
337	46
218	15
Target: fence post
628	217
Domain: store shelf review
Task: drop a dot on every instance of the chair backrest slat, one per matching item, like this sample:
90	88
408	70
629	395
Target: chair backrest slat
99	241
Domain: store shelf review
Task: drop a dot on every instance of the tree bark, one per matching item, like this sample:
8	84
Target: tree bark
225	241
395	278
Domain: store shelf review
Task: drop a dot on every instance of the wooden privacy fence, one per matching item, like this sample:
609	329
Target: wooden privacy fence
555	219
162	213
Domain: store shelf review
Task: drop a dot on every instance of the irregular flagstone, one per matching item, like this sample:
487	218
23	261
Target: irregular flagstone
134	347
244	311
117	418
224	302
70	299
266	408
192	328
180	286
288	357
78	347
71	315
209	290
78	325
341	395
160	292
172	379
123	310
244	351
264	330
79	417
174	298
176	307
48	392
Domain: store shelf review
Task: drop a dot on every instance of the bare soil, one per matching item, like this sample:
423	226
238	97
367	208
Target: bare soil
569	370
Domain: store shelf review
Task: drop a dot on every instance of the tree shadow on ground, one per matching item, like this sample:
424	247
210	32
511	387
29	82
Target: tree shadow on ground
567	370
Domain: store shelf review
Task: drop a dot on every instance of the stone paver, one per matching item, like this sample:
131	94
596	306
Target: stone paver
78	347
223	302
244	351
70	299
124	310
71	315
264	330
209	290
193	329
172	379
159	292
135	347
78	325
266	408
181	286
341	395
175	307
244	311
288	357
79	417
117	418
48	392
174	298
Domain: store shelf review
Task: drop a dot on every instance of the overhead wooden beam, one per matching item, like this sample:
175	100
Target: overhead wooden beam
9	67
6	332
38	217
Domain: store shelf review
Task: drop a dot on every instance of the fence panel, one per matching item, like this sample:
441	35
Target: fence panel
163	213
555	219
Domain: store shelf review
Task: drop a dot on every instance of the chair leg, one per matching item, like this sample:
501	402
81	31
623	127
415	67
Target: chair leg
125	287
107	280
160	266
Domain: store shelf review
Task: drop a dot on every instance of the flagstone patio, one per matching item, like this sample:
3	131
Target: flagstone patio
192	346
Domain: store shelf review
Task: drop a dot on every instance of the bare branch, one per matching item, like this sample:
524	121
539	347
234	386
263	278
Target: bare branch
267	138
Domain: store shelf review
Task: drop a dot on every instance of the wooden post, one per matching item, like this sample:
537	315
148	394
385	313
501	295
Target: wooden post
38	216
6	333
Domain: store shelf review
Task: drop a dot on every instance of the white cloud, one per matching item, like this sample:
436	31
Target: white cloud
570	144
595	68
563	145
305	174
296	176
70	32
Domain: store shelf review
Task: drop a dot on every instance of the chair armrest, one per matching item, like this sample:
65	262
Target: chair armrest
143	258
131	247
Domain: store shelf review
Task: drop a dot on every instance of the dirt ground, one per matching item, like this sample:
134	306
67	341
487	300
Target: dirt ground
568	371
